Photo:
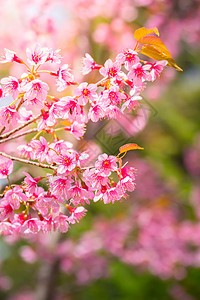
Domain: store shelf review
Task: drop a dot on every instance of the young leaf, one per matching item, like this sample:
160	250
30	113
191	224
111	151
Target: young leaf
129	147
153	47
154	40
159	53
141	32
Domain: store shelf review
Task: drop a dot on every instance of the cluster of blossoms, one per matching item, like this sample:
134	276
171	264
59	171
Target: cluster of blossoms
28	208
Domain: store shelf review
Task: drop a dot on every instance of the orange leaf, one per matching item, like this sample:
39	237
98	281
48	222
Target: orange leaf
129	147
141	32
159	53
154	40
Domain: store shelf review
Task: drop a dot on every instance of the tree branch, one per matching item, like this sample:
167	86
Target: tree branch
20	127
28	162
18	135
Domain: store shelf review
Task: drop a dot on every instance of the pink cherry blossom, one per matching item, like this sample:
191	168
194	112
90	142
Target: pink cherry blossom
128	57
138	74
6	210
10	56
155	68
65	78
6	167
85	92
79	195
8	116
11	86
77	129
6	228
47	203
94	179
54	56
40	150
76	214
30	226
88	64
36	89
66	161
37	55
25	151
61	222
30	182
110	68
60	186
106	164
114	95
15	197
28	254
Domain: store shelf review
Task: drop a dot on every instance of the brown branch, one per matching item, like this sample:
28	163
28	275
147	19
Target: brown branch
18	135
28	162
20	127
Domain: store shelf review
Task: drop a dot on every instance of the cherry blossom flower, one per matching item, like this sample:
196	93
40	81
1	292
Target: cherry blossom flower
34	102
66	161
37	55
95	179
40	150
6	167
138	75
10	56
77	130
30	226
25	151
60	186
36	89
85	92
110	68
108	194
76	214
15	197
6	210
88	64
54	56
28	254
61	222
65	78
9	115
106	164
79	195
6	228
97	109
114	95
155	68
30	182
11	86
128	57
47	203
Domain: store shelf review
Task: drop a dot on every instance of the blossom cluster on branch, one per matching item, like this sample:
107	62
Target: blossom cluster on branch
73	182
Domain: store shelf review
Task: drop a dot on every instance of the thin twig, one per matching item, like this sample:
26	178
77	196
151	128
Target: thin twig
18	135
20	127
28	162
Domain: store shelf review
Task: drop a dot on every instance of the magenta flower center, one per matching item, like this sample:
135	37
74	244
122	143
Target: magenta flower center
112	72
106	164
36	58
130	57
139	72
86	92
